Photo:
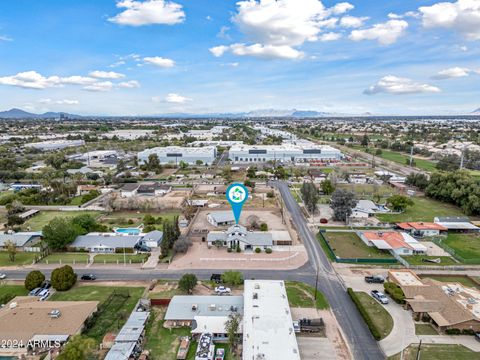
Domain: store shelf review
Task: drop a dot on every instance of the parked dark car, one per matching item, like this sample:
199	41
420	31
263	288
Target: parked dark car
477	336
46	284
375	279
143	248
88	277
217	278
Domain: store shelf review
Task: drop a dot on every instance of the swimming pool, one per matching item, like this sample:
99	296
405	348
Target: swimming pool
128	231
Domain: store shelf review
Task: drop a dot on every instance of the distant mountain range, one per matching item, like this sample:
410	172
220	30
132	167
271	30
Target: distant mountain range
21	114
476	112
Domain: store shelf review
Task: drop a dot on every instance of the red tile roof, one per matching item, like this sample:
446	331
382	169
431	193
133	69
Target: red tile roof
421	226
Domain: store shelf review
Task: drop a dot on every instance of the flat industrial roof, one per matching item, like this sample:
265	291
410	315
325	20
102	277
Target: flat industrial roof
267	322
181	306
405	277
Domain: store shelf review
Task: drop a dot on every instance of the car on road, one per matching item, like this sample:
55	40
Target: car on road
88	277
379	296
477	336
222	290
3	276
375	279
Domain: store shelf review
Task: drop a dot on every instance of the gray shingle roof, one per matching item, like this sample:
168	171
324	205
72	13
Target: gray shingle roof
222	216
20	238
154	235
107	240
240	233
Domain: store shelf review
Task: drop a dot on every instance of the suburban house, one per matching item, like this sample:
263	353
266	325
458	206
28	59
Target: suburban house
152	238
357	178
85	189
221	218
366	209
317	175
399	243
203	313
22	240
199	203
146	189
447	305
456	223
422	229
26	319
105	242
239	236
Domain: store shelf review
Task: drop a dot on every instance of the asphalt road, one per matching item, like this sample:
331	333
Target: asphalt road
361	342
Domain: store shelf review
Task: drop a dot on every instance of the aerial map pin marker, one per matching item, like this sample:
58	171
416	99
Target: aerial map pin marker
237	194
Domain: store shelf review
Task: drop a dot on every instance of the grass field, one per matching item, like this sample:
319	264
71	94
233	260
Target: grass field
381	318
417	260
129	219
114	258
302	295
22	258
11	291
424	209
65	258
437	352
115	313
425	329
453	279
37	222
349	245
465	245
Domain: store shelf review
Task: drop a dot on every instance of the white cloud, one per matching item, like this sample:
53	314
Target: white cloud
148	12
454	72
129	84
171	98
400	86
34	80
386	33
276	28
5	38
99	86
117	64
331	36
209	18
353	21
342	8
259	50
159	61
462	16
106	74
48	101
223	33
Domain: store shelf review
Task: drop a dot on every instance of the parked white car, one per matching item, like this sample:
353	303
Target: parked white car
221	290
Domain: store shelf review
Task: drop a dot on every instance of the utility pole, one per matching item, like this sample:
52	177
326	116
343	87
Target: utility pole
462	158
411	156
316	282
418	350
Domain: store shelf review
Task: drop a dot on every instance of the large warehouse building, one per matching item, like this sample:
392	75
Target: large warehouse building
303	152
176	154
55	144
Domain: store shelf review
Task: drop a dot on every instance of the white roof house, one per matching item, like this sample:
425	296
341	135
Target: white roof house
456	223
267	322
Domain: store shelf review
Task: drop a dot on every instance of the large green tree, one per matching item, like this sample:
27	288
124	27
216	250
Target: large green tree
60	232
187	283
342	203
63	278
34	279
399	202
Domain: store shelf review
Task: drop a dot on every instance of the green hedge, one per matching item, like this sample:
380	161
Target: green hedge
395	292
366	317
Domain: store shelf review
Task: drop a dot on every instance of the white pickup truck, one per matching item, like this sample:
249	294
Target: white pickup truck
222	290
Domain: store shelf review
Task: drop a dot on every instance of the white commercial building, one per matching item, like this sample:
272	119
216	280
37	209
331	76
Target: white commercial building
55	144
128	134
176	154
283	153
267	322
265	131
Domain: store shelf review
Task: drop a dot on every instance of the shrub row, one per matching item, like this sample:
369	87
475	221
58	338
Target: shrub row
459	332
366	317
395	292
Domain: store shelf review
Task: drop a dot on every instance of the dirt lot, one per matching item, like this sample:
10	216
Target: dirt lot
172	200
311	347
271	217
199	256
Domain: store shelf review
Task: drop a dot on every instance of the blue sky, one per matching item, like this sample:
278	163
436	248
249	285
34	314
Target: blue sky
151	57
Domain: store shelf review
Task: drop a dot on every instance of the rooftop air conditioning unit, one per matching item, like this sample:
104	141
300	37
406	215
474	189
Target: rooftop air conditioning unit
194	307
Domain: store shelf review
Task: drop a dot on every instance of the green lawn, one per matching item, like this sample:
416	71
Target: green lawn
8	292
114	258
21	258
381	318
424	209
131	218
465	245
425	329
302	295
65	258
114	313
348	245
417	260
37	222
454	279
437	352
